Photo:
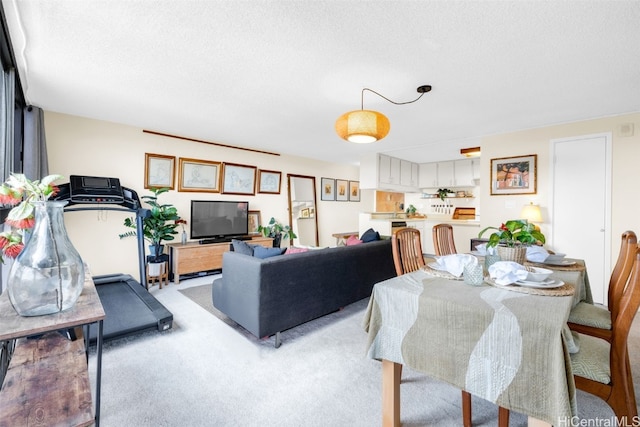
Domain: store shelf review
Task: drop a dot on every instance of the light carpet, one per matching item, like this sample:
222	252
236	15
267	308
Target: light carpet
204	372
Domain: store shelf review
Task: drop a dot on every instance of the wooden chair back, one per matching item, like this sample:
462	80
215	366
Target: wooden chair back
621	271
443	239
407	250
619	393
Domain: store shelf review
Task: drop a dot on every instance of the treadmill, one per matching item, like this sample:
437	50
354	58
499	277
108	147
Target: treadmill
129	307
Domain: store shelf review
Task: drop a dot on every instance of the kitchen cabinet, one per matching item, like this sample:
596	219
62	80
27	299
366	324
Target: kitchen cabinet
428	175
446	174
382	172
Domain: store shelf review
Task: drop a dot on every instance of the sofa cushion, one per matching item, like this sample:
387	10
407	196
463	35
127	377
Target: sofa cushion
370	235
242	247
353	240
295	250
262	252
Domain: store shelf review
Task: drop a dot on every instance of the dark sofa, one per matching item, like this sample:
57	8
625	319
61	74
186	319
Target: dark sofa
267	296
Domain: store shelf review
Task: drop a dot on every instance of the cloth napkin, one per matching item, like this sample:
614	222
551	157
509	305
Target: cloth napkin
536	253
483	250
455	263
507	272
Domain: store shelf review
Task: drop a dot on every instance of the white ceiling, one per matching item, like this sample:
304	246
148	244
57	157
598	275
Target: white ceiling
275	75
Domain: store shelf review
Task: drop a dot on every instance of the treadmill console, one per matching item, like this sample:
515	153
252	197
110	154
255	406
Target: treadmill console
95	189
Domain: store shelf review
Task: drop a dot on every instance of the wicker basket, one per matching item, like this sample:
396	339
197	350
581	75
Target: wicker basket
516	254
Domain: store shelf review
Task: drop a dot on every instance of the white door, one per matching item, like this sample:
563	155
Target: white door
581	205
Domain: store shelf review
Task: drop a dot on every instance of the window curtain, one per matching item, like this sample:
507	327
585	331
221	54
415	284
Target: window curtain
35	164
6	123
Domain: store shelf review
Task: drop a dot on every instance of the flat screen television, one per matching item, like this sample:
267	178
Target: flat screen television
219	219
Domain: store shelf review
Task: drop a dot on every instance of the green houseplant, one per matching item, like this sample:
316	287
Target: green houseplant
443	192
276	230
160	225
512	239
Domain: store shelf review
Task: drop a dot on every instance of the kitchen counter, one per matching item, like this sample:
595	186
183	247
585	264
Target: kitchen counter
463	229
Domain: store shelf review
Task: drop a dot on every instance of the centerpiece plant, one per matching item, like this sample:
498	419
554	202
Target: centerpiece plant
159	225
512	238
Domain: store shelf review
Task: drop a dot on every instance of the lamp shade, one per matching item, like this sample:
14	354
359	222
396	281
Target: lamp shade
362	126
531	213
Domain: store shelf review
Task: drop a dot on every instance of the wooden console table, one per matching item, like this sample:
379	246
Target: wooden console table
37	389
194	257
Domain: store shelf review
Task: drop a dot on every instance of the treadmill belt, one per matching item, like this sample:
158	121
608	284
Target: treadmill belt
128	307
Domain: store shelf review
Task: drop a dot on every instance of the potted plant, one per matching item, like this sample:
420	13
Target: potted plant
160	225
443	192
411	211
512	238
276	230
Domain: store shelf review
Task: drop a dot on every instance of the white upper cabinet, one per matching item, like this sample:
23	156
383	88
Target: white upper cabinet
382	172
428	175
446	175
463	173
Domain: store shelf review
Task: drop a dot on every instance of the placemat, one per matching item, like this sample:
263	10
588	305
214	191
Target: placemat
440	273
564	290
578	266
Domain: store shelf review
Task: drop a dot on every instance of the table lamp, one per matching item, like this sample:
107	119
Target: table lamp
531	213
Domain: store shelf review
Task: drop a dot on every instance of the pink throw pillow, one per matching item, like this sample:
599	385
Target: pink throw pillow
294	250
353	240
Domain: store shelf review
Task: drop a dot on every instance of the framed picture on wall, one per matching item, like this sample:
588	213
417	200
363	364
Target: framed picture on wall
328	189
159	171
354	191
199	175
239	179
254	222
513	175
342	190
269	181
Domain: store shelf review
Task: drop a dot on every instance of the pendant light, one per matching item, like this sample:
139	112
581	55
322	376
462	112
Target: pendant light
365	126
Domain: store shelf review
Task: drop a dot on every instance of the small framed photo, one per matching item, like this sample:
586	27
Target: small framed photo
269	182
159	171
328	189
254	222
304	213
199	175
342	190
354	191
513	175
239	179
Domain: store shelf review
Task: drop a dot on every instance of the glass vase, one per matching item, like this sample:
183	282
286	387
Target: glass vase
48	275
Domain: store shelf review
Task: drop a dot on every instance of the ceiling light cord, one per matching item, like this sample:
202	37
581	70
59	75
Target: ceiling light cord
422	90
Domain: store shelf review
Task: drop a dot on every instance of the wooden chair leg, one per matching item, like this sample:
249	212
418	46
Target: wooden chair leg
503	417
466	408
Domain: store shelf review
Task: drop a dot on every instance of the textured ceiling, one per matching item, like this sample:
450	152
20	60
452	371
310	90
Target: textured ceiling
275	75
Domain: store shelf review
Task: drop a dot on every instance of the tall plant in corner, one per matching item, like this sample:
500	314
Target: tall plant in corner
158	226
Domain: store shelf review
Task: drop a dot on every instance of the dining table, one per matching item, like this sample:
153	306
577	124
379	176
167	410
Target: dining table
509	345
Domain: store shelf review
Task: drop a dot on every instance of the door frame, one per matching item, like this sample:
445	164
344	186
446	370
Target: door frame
608	136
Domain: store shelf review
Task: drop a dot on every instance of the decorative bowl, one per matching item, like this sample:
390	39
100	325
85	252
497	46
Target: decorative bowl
537	274
555	258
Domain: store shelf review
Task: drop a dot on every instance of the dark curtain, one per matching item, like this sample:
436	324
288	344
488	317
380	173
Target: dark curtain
35	163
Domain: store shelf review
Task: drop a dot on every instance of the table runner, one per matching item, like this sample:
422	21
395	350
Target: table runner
503	346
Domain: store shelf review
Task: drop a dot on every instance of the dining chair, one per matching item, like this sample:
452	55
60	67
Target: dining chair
407	250
597	320
602	367
443	239
407	257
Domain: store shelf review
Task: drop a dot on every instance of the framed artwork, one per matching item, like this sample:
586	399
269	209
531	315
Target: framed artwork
159	171
254	222
269	182
304	213
328	189
354	191
199	175
514	175
239	179
342	190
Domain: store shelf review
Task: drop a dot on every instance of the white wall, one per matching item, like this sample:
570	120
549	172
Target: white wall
625	174
80	146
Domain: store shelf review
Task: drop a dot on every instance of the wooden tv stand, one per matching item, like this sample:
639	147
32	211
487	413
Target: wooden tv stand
194	257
